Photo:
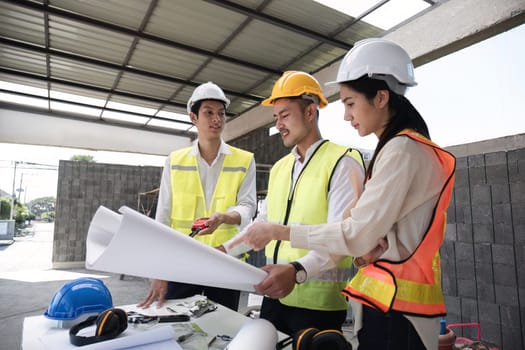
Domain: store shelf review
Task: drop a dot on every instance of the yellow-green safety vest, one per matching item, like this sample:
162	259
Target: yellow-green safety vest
307	203
188	202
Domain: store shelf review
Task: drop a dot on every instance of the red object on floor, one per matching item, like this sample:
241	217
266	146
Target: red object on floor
464	341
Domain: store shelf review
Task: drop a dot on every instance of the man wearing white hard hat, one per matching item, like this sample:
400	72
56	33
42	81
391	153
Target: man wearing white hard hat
209	180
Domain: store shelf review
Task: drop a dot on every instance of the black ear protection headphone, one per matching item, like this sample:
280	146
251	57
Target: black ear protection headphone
314	339
110	323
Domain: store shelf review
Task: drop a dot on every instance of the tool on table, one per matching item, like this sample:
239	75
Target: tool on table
202	307
197	226
223	337
138	318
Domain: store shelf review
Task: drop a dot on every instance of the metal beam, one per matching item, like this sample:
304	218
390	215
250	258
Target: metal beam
106	64
124	30
280	23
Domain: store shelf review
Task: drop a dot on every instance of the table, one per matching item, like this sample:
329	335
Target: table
40	332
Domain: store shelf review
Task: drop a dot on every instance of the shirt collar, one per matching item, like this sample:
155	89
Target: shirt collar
309	151
223	148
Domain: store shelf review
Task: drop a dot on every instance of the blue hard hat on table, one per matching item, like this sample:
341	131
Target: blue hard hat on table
81	296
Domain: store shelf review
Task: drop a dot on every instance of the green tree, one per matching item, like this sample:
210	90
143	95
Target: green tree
21	213
41	205
5	208
82	158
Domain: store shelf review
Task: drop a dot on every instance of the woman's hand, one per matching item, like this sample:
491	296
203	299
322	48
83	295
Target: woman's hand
258	234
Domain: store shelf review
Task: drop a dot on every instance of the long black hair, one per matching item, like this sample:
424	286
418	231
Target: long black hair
403	114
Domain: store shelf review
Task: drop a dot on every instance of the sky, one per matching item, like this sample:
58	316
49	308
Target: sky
472	95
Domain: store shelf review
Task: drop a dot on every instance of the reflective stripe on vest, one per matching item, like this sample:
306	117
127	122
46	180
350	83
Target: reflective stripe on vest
411	286
307	203
188	202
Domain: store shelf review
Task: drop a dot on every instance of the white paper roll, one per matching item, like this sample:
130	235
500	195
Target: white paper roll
136	245
258	334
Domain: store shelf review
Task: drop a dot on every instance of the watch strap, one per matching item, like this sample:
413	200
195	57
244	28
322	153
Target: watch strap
297	266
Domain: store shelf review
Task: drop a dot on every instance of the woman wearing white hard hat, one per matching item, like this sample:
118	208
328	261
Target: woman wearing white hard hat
397	226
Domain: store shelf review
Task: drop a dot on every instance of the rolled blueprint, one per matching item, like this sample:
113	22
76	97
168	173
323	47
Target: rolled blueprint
133	244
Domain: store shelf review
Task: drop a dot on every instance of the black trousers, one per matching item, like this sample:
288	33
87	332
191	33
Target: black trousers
390	331
225	297
290	320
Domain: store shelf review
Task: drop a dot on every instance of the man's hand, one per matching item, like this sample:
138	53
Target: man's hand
213	222
157	291
279	282
257	235
221	248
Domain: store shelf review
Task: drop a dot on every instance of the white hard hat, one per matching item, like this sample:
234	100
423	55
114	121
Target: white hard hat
207	91
379	59
258	334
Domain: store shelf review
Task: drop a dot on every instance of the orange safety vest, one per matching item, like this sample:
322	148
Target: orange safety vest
411	286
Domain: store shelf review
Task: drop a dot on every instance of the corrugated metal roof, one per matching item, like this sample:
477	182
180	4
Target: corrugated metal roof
143	58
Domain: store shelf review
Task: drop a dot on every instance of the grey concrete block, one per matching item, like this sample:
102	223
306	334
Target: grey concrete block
517	192
464	232
484	273
469	309
506	295
497	174
450	232
449	283
451	211
519	233
483	253
477	176
453	304
491	333
480	195
476	161
503	254
489	312
500	193
464	253
483	233
515	160
467	288
505	275
502	217
486	292
462	196
520	268
461	178
462	163
481	213
511	338
496	158
518	213
510	316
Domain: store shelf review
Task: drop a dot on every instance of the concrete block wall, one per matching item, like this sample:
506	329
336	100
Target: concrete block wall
266	149
483	256
82	188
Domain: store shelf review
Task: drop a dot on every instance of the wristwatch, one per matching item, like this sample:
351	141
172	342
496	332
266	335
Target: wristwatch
300	272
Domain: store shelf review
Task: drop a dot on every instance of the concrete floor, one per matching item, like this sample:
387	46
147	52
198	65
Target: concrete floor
28	283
